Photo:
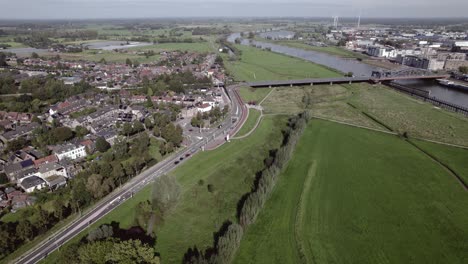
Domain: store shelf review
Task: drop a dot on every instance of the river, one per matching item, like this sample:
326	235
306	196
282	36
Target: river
358	69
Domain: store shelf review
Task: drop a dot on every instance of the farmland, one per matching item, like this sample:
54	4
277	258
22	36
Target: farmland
344	200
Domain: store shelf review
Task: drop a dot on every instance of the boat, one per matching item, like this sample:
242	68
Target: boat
452	84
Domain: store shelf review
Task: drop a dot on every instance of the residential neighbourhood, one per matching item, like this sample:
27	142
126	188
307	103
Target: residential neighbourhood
117	99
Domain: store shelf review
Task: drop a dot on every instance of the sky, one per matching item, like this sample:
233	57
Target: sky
95	9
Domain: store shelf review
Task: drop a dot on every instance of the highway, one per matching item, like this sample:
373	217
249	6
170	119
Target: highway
118	196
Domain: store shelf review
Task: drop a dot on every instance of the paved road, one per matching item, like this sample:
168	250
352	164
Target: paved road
125	192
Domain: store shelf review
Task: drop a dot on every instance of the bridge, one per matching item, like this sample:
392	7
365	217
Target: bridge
376	77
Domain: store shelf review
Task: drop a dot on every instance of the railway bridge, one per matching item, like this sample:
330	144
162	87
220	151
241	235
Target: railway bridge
376	77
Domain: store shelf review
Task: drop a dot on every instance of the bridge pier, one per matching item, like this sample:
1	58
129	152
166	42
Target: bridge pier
269	86
331	83
291	85
311	84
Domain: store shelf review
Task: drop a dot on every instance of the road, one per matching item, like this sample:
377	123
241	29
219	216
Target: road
113	200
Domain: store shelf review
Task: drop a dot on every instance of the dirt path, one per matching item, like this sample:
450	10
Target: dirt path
151	224
301	209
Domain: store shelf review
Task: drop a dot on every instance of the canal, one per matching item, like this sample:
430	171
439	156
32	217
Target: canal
358	69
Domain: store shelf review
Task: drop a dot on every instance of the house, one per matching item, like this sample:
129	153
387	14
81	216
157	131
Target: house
109	135
20	170
55	181
50	169
70	151
19	131
204	108
31	184
45	160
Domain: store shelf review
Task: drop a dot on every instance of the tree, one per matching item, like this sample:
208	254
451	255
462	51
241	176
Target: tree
150	92
137	126
34	55
3	59
120	148
81	131
132	251
94	185
165	193
96	252
99	233
148	123
102	145
62	134
127	129
225	110
463	69
24	230
128	62
79	194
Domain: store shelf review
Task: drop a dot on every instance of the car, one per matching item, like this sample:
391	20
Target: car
176	162
188	154
190	130
181	158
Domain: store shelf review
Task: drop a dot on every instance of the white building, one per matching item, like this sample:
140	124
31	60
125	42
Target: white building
204	108
31	184
70	151
52	168
378	51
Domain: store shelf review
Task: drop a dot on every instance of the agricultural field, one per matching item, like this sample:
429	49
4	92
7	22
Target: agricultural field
344	200
250	123
259	65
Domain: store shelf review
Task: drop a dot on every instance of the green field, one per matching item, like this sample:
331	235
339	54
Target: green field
350	195
400	112
250	123
259	65
231	170
249	94
453	157
112	56
332	50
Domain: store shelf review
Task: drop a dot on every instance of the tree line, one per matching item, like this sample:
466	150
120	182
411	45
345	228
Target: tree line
227	240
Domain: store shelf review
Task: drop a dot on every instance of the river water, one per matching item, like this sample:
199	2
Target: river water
359	69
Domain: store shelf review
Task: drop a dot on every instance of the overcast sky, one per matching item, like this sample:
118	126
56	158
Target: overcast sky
76	9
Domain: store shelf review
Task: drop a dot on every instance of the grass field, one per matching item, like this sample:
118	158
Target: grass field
249	124
249	94
231	170
350	195
258	65
398	111
332	50
111	56
455	158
